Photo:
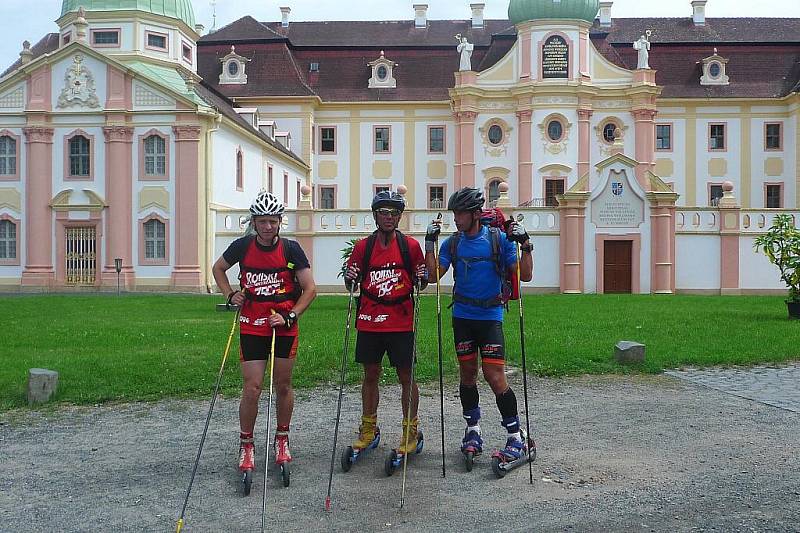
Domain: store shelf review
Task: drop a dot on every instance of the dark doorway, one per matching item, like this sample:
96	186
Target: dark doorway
617	270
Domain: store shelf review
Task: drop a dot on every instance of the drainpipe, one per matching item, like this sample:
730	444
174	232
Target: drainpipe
207	169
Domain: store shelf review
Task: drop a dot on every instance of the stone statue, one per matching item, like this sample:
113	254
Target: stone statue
643	47
465	49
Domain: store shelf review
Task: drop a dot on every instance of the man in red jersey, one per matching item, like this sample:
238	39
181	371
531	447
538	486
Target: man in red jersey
387	264
276	287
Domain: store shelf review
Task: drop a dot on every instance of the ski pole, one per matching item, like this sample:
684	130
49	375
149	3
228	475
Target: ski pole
524	366
407	428
341	389
439	331
266	446
179	526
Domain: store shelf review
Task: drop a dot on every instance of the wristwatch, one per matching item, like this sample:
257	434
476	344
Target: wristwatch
290	318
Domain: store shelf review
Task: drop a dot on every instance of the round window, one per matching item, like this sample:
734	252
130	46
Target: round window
382	72
555	130
714	69
608	132
233	69
495	134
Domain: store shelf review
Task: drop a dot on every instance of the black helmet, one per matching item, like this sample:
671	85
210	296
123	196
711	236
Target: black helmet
388	199
466	199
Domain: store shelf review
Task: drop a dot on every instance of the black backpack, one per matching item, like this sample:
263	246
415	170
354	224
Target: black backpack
499	267
403	245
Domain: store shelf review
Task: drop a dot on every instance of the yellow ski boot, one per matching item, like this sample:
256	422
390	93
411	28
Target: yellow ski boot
369	435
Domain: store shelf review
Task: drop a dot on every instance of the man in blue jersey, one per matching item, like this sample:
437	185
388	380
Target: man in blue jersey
481	257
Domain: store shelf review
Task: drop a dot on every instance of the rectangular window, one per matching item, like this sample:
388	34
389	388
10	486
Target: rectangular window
79	157
773	137
381	188
663	137
327	140
327	198
774	196
155	156
66	38
8	156
552	188
436	140
186	51
8	240
105	37
156	40
155	240
285	188
716	137
382	139
436	197
714	193
269	179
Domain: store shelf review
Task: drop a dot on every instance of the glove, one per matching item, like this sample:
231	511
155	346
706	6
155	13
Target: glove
517	233
351	273
422	272
433	231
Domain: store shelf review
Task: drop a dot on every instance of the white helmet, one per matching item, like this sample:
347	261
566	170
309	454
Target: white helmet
266	203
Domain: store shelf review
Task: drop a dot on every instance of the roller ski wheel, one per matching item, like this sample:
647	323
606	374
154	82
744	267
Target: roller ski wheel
246	465
286	473
247	482
471	448
351	455
502	463
396	458
469	460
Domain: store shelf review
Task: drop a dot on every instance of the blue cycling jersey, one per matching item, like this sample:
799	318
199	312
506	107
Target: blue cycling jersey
477	279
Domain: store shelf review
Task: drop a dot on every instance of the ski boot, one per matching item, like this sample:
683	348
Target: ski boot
412	442
247	462
369	435
282	455
471	447
516	453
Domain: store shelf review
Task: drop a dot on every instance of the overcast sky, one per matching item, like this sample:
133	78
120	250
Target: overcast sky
22	21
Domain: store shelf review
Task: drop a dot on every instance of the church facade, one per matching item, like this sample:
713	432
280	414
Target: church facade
644	154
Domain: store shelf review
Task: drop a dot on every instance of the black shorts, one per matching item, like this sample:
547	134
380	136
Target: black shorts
486	335
371	345
256	347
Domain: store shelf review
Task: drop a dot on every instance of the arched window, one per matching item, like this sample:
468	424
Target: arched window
493	190
79	156
8	241
155	156
155	240
239	170
8	156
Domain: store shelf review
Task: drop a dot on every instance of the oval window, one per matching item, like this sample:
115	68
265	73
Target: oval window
382	72
608	132
714	69
495	134
233	68
555	130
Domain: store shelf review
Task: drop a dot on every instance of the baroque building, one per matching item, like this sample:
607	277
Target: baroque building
645	154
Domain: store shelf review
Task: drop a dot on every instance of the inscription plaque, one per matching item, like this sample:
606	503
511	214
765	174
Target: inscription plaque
555	58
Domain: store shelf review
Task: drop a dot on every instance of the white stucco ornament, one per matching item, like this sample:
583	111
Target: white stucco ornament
465	49
642	45
79	88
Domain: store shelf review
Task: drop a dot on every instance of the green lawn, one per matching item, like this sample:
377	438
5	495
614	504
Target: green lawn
144	347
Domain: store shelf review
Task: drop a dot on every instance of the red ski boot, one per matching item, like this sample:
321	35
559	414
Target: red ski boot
282	454
247	462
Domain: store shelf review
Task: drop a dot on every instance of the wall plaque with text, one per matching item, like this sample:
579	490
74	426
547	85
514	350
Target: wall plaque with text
618	206
555	58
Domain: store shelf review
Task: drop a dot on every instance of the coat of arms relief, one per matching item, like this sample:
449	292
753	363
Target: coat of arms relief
79	88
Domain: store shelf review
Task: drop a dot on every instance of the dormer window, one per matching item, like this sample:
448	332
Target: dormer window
714	70
382	73
233	68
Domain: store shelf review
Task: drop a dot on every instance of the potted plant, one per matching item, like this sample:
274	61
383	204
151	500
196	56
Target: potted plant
781	244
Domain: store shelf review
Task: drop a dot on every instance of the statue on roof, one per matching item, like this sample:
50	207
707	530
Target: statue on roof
642	45
465	49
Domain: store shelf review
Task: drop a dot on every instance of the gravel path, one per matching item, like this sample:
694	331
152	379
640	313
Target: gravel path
625	453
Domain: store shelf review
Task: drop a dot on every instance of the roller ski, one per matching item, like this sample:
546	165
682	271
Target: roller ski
471	447
413	441
516	453
282	456
247	463
369	436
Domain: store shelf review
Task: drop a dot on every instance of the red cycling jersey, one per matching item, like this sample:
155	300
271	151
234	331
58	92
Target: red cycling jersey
386	286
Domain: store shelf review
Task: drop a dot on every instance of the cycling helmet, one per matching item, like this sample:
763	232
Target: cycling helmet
388	199
266	203
466	199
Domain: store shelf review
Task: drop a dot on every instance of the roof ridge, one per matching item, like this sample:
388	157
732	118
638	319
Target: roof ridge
297	70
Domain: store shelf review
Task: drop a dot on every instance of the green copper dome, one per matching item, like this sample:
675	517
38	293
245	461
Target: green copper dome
525	10
177	9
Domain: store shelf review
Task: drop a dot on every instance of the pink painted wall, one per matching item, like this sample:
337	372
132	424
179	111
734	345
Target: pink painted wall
119	197
38	218
187	271
525	157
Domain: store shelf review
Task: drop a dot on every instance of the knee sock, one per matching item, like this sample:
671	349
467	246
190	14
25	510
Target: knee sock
469	406
507	403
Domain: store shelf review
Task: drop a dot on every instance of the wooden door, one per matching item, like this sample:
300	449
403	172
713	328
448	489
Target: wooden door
617	269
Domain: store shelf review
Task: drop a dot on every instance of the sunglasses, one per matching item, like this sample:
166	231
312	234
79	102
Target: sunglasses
388	212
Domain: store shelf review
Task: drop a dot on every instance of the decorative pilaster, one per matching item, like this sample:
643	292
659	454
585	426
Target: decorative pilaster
572	215
119	197
662	242
645	132
525	177
466	127
38	270
187	273
304	230
729	211
584	141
